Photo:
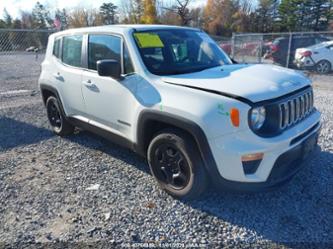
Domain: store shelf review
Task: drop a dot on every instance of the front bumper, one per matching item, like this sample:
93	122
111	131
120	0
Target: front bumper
283	156
284	168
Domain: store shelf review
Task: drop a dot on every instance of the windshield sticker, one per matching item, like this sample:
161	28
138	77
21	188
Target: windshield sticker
221	110
148	40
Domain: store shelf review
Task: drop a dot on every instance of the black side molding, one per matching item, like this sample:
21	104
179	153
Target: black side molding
114	138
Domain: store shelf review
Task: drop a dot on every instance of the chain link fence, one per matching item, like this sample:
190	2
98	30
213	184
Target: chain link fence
21	53
13	41
283	49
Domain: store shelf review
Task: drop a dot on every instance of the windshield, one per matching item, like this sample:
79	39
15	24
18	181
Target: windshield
177	51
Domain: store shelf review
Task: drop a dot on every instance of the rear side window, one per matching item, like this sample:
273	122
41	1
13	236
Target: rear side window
71	50
56	48
102	47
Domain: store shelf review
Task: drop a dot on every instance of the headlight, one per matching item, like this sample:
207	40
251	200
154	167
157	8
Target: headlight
258	116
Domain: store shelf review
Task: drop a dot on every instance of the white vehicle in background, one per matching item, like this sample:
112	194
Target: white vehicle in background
318	57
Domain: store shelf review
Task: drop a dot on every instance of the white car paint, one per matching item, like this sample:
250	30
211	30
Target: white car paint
319	52
256	82
125	100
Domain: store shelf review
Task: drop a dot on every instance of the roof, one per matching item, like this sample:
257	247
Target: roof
121	28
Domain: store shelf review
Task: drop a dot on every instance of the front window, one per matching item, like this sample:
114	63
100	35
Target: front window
101	47
176	51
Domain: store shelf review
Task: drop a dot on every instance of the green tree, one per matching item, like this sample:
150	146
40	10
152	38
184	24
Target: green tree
7	18
266	15
320	14
2	24
304	15
287	15
109	13
41	16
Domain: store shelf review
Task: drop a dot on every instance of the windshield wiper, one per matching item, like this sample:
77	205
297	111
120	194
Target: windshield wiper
207	67
190	70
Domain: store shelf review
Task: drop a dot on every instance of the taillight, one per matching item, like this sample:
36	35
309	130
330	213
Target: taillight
306	53
274	48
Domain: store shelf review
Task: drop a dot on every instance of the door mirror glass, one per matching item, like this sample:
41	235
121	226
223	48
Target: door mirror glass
109	68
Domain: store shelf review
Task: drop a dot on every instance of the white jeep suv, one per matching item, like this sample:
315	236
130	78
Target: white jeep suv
173	96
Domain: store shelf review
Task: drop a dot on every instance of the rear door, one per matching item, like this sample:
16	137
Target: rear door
67	74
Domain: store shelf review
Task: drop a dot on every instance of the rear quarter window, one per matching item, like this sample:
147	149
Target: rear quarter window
57	48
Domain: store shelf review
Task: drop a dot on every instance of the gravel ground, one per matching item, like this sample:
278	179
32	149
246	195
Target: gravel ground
83	189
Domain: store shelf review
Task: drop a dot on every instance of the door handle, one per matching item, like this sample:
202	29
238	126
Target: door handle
88	83
58	76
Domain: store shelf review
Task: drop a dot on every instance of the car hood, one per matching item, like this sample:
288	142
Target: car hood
253	82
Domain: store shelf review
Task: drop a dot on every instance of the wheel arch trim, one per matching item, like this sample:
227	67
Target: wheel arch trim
55	92
180	122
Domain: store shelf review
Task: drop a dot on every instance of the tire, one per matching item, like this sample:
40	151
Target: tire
176	164
323	67
57	119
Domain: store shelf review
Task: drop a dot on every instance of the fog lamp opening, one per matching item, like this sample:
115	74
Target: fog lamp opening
251	162
252	157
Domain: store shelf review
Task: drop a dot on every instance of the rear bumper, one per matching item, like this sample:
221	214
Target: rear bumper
305	63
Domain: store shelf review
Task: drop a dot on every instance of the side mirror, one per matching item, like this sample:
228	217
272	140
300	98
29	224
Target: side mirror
109	68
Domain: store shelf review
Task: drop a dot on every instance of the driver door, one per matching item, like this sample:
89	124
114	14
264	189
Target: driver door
107	100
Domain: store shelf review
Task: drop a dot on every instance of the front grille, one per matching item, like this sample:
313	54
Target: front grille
295	109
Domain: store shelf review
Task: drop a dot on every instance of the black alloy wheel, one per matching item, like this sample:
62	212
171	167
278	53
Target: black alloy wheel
57	119
171	166
175	162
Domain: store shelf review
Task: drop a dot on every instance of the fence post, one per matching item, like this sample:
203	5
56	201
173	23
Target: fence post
289	49
233	46
260	48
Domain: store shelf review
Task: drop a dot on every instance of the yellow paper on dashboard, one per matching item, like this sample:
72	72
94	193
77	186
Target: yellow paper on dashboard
148	40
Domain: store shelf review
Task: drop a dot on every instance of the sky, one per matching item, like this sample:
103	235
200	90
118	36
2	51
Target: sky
14	6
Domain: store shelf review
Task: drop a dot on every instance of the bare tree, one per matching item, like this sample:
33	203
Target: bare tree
182	10
83	18
132	10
